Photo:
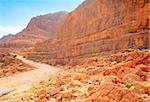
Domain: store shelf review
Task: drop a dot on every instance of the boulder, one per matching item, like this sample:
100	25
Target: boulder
113	93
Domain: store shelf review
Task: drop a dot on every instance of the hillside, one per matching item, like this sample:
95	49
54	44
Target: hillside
6	37
95	27
99	52
39	28
107	19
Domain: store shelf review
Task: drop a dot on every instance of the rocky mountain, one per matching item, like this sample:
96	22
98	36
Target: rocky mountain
100	16
39	29
99	26
7	37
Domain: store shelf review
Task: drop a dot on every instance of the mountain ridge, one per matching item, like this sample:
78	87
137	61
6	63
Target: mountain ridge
39	28
98	26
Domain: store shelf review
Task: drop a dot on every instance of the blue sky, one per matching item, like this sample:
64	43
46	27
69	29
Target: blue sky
15	14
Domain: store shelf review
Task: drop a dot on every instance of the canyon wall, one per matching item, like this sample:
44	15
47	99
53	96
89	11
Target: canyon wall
111	18
98	26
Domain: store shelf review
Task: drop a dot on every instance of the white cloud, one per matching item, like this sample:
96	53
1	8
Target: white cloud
4	30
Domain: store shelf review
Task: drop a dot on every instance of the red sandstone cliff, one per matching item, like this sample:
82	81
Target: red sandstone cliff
39	29
111	18
100	26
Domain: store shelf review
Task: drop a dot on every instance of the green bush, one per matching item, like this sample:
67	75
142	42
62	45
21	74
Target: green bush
130	83
50	78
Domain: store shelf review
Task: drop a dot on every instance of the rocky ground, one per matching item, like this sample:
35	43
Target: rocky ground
121	77
9	65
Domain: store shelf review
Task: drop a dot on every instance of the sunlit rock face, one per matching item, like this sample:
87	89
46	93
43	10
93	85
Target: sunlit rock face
110	18
39	29
98	26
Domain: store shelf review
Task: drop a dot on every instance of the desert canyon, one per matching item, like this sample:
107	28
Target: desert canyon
98	52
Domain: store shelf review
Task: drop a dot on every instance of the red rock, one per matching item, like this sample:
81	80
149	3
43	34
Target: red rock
130	64
52	100
137	88
113	93
82	25
138	85
90	88
42	94
130	77
81	77
146	90
96	77
145	59
55	91
121	72
66	94
146	87
42	82
97	27
110	79
10	65
144	67
40	28
76	83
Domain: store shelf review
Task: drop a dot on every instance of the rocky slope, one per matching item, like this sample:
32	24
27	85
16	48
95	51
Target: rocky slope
120	77
98	26
39	28
10	65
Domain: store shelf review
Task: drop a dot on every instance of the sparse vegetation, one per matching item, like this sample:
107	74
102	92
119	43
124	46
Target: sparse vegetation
50	78
82	82
130	83
98	52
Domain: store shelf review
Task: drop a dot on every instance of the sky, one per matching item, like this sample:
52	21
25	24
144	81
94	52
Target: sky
15	14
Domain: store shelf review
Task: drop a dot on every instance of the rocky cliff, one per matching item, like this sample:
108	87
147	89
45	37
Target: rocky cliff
39	29
98	26
110	18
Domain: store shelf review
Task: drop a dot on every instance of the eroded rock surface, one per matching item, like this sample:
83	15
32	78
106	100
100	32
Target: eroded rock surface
98	26
40	28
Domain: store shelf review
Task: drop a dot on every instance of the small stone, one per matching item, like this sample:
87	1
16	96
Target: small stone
76	83
66	94
144	67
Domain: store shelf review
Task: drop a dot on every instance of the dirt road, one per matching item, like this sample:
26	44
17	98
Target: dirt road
16	82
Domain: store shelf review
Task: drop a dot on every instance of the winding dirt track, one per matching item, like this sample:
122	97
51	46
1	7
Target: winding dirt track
42	71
